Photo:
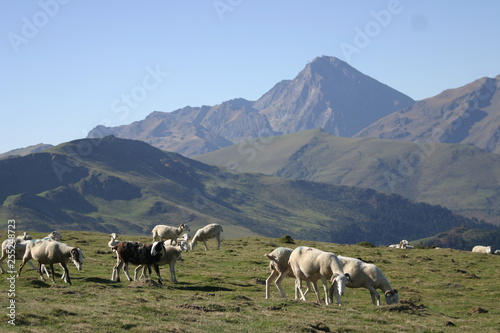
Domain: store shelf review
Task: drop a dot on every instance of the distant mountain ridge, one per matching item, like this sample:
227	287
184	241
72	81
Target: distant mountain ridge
463	178
128	186
327	93
26	151
468	114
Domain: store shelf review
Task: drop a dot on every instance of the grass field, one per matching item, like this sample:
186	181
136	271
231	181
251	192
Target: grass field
441	290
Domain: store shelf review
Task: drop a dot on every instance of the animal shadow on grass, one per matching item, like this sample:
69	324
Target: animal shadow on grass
107	282
40	284
198	287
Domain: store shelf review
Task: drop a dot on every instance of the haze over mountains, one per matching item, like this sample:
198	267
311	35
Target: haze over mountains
320	130
128	186
327	94
331	95
463	178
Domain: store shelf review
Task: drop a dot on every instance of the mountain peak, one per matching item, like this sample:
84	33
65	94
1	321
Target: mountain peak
329	60
329	94
157	115
238	103
326	64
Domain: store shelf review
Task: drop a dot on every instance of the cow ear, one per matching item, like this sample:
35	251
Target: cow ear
395	291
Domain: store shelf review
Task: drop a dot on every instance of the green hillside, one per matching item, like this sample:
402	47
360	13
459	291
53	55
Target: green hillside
223	291
126	186
462	238
462	178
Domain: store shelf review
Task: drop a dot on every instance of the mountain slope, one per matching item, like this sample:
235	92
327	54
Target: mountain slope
166	131
327	94
463	178
126	186
469	114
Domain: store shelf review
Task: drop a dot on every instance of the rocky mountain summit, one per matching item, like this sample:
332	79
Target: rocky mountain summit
469	114
327	94
331	95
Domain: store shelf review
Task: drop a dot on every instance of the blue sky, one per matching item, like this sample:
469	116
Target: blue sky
69	65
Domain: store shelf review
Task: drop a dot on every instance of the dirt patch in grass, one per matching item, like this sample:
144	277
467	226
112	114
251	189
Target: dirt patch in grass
62	312
477	309
210	308
274	308
425	258
407	306
472	276
259	281
129	326
322	327
242	298
469	275
319	327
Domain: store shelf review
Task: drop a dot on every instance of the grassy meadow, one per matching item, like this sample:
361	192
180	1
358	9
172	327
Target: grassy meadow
441	290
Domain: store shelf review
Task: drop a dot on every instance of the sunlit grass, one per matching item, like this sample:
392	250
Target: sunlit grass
223	291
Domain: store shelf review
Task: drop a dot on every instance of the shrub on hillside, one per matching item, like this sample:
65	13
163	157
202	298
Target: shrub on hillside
365	244
286	239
